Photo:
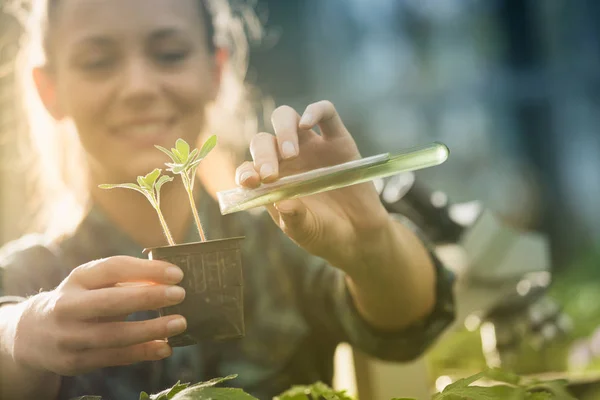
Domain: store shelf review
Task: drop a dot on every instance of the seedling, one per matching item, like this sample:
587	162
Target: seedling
213	305
185	164
149	186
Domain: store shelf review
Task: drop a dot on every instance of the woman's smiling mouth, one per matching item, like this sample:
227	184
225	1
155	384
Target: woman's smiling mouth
147	132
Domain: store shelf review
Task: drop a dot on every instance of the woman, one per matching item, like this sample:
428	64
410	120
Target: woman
132	74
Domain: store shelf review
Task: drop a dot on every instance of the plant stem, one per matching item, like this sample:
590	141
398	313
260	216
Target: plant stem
165	227
188	189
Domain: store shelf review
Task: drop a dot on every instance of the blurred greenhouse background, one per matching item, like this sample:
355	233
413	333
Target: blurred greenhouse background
511	86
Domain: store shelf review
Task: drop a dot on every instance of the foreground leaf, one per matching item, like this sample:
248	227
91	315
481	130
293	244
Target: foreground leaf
213	393
465	382
317	391
215	381
499	375
181	388
498	392
555	389
166	394
542	396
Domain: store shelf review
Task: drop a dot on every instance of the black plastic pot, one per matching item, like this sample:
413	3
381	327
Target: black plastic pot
213	280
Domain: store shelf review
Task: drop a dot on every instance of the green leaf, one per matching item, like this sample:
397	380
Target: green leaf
189	161
167	152
216	381
498	392
151	178
179	387
318	390
142	183
556	388
147	193
462	388
178	156
195	164
166	394
173	153
185	161
461	383
207	147
172	166
132	186
183	149
499	375
540	396
163	179
213	393
203	390
176	168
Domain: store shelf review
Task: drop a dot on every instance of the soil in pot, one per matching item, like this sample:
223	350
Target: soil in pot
213	280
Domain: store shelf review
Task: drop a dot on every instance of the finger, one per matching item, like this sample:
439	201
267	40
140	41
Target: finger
110	302
89	360
124	334
324	114
264	153
296	221
246	175
285	123
292	217
113	270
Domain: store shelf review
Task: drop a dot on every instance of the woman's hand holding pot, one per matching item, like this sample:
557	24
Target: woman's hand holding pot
80	326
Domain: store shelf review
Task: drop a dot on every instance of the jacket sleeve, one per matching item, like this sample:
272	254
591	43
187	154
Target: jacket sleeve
27	266
330	310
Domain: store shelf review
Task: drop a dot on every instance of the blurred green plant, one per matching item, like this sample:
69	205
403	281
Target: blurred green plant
575	289
500	385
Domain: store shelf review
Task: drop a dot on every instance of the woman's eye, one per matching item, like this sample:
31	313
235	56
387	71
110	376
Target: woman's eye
171	57
97	64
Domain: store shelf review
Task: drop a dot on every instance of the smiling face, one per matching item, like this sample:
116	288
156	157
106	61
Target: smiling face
130	74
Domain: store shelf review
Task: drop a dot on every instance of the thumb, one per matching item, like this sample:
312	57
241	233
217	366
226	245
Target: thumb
293	217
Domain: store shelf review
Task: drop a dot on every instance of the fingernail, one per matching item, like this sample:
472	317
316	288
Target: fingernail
176	326
245	176
288	149
266	171
174	274
163	352
175	293
307	120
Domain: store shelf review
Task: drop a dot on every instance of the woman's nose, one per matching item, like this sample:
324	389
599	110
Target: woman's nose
140	84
